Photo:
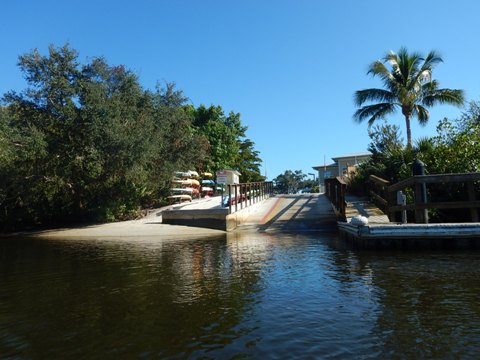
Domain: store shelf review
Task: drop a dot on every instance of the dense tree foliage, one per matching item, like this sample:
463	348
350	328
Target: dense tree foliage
88	142
408	85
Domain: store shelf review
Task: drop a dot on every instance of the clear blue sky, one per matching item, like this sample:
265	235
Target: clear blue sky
289	67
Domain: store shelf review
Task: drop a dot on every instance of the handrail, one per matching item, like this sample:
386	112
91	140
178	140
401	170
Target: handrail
379	180
244	195
378	192
335	190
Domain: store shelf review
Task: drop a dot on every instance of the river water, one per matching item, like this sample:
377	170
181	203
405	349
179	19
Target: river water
243	296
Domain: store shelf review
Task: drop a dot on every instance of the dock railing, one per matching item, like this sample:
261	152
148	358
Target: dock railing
379	192
243	195
335	190
417	186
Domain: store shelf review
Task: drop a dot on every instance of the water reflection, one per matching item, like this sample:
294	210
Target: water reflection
251	295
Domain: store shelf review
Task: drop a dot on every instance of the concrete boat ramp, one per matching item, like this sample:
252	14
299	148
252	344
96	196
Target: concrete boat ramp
292	213
299	212
313	212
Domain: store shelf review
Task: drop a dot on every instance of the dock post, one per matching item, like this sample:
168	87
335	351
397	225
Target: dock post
402	200
236	198
421	215
229	198
392	215
471	197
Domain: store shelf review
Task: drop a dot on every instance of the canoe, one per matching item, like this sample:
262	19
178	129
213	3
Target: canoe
187	182
179	198
181	174
182	190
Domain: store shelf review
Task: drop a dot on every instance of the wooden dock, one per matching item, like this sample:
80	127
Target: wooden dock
381	233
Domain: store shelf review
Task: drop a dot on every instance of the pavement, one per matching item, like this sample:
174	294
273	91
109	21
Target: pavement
292	213
357	206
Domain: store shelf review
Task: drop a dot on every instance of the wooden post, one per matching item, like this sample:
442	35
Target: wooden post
249	194
229	198
471	197
343	203
244	196
392	216
241	196
236	200
421	215
402	200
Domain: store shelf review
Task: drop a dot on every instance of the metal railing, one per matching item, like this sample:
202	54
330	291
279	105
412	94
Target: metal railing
241	196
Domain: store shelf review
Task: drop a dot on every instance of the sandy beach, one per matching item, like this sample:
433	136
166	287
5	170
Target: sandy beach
148	226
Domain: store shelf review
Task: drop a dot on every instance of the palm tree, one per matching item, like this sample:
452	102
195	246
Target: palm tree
408	85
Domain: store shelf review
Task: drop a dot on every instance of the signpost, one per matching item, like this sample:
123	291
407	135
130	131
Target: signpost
227	177
222	180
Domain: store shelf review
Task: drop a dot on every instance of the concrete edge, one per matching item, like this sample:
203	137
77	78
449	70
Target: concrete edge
218	219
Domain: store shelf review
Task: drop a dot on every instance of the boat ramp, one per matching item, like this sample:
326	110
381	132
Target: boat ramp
316	212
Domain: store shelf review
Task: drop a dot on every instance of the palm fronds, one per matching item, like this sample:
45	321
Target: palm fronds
408	84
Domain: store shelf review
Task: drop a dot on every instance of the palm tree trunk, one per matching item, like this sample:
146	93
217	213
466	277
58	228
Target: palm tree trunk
409	131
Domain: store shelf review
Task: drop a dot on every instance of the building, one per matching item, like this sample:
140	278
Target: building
342	166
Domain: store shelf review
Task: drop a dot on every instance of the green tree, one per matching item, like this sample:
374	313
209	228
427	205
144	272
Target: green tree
390	159
248	162
289	182
88	142
408	85
224	135
457	144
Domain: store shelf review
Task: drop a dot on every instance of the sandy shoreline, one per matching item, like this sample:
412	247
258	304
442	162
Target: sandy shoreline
149	226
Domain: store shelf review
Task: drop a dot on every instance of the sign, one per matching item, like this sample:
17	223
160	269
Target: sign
222	177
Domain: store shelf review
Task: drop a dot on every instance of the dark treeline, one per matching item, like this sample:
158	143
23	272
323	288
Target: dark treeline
86	142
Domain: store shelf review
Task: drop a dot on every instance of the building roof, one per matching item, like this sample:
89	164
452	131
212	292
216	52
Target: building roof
336	158
352	155
320	167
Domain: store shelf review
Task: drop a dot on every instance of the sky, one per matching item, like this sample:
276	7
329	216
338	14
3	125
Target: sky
290	68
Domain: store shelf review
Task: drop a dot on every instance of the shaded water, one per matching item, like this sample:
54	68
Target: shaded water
250	296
